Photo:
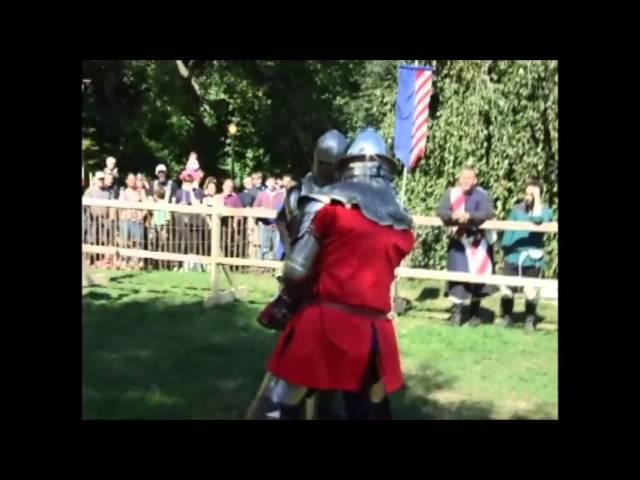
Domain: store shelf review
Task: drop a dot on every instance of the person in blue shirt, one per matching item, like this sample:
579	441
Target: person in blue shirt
524	253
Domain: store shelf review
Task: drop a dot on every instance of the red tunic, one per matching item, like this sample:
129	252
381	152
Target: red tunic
327	347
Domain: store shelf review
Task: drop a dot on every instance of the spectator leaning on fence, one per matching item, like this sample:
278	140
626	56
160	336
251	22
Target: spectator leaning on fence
248	195
230	225
131	220
255	237
188	194
228	197
273	199
114	193
248	198
286	184
169	186
258	186
97	217
524	253
158	233
142	185
210	189
210	199
110	186
465	207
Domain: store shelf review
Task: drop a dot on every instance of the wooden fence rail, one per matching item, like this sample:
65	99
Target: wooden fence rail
217	258
419	220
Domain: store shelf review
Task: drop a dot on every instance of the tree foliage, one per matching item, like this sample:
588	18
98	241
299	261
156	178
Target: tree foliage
500	116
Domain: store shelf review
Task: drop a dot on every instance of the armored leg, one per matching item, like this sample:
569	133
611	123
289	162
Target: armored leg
262	405
290	399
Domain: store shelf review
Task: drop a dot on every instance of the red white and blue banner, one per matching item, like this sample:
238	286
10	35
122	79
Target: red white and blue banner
412	113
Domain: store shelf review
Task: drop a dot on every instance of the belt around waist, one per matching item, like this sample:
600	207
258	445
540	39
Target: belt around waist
355	309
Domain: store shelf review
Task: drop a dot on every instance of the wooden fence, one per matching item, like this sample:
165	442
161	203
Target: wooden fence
225	236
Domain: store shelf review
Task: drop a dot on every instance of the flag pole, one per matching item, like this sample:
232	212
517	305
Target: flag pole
404	184
395	290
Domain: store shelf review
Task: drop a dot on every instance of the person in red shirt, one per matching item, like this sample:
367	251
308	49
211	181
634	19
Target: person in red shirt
336	297
228	197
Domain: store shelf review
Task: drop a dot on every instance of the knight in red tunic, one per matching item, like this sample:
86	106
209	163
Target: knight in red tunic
337	288
329	148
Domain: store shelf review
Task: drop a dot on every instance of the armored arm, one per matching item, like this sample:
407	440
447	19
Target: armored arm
281	225
286	221
297	271
299	263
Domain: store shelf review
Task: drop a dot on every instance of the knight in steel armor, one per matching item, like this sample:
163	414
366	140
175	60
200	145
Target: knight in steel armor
336	296
330	147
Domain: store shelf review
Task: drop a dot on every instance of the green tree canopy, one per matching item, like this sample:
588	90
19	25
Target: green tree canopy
500	116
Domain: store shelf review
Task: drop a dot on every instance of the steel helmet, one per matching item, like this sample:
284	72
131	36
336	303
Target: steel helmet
369	146
330	147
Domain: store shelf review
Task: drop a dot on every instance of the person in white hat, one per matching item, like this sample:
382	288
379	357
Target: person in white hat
162	180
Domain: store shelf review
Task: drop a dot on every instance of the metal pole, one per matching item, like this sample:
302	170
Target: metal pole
395	290
404	185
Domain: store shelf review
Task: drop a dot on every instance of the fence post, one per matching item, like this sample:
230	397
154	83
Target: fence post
216	228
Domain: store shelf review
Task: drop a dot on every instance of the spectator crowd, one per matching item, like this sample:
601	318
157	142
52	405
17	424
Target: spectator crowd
463	209
176	232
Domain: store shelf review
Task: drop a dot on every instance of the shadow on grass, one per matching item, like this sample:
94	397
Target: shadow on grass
416	401
519	318
154	360
429	293
120	277
97	296
486	315
150	360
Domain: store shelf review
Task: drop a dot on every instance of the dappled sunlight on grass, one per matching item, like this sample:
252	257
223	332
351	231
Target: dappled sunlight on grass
151	350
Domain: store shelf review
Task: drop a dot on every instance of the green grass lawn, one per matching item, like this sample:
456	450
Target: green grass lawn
152	351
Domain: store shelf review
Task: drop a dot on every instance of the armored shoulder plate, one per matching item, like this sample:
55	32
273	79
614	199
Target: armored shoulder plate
297	197
307	185
291	202
308	207
378	202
